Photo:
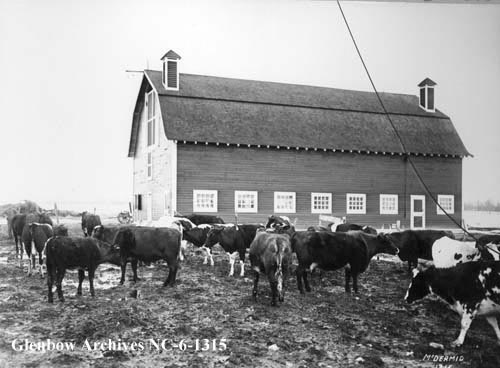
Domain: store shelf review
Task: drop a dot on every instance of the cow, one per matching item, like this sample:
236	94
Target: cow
234	242
271	254
448	252
330	251
64	253
471	289
38	236
60	230
318	228
89	221
343	228
204	219
19	222
149	244
415	244
198	236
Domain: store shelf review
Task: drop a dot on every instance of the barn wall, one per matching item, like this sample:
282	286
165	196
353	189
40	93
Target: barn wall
162	184
227	169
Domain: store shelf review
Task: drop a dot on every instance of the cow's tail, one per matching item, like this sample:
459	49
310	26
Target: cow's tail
182	251
279	258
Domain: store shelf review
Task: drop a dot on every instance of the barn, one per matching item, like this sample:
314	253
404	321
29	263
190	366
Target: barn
224	146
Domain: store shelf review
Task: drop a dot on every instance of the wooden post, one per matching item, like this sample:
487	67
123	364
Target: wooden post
57	213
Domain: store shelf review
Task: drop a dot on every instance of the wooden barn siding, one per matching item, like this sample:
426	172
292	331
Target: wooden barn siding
227	169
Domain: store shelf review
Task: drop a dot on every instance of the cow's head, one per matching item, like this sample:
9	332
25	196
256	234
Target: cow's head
419	286
32	228
387	244
109	253
124	239
213	236
98	232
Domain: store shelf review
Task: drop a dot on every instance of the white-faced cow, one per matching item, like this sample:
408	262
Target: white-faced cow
64	253
331	251
89	221
415	244
271	254
149	244
343	228
471	289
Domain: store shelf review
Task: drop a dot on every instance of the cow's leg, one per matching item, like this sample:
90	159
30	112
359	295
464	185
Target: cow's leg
172	273
492	320
59	277
209	251
256	275
17	246
274	289
347	279
50	282
91	279
40	262
465	323
81	277
231	263
134	268
298	274
242	262
355	275
123	266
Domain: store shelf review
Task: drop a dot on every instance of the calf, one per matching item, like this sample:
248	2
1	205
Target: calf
89	221
64	253
204	219
331	251
271	254
471	289
149	244
19	221
415	244
198	236
343	228
448	252
39	234
232	240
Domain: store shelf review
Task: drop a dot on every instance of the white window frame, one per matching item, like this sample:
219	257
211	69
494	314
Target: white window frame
151	120
445	196
361	211
238	193
321	210
384	211
149	165
289	210
197	192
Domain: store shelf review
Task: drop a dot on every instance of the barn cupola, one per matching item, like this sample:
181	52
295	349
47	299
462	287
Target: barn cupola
170	76
427	95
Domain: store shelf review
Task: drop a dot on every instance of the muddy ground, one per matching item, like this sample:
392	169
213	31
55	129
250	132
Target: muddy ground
325	328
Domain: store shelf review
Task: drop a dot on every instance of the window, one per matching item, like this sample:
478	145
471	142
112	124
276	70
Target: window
138	202
388	204
321	202
150	165
245	201
204	201
356	203
172	74
151	122
447	202
284	202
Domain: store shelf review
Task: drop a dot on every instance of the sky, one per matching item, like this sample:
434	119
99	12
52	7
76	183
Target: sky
66	100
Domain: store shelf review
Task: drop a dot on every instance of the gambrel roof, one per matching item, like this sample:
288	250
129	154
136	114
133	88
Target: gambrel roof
245	112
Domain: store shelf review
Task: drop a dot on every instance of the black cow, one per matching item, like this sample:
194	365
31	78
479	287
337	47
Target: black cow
330	251
64	253
234	242
318	228
60	230
89	221
343	228
105	233
19	221
149	244
38	234
471	289
271	254
198	236
204	219
414	244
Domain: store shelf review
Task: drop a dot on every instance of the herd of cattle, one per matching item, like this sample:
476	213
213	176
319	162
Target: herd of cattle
465	274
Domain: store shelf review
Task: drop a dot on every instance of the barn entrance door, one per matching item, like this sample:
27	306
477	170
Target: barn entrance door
149	208
417	215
